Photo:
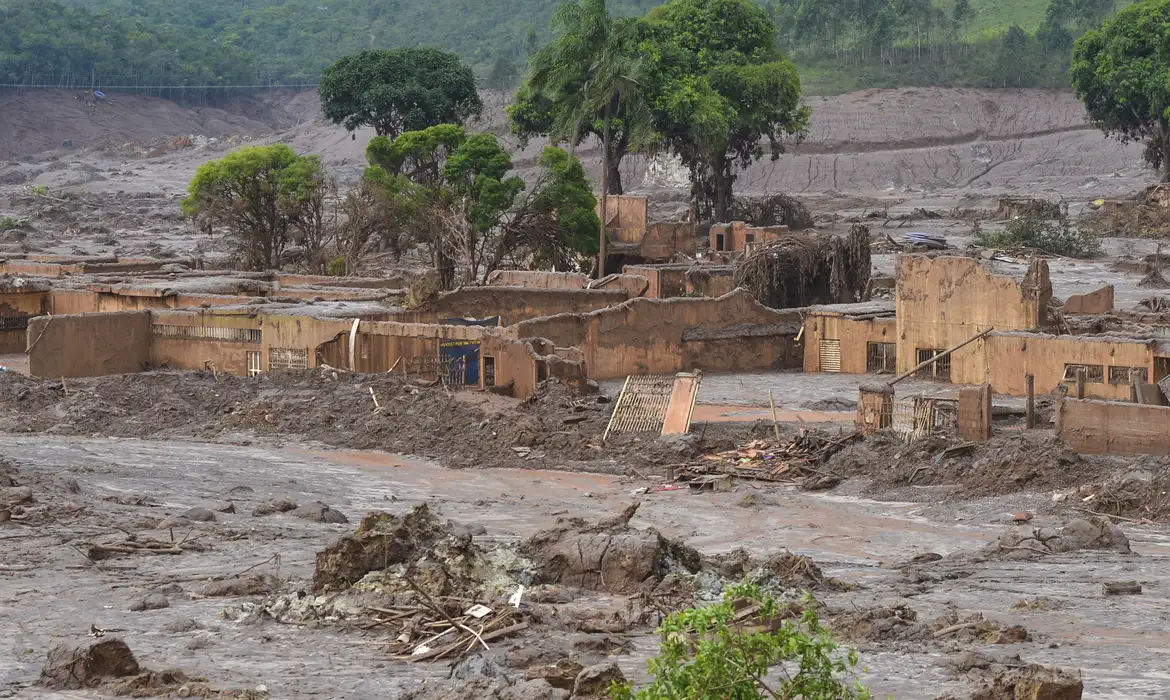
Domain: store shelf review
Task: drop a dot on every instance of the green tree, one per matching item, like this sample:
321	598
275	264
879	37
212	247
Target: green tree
557	224
722	89
259	195
503	74
705	654
1122	74
584	80
399	90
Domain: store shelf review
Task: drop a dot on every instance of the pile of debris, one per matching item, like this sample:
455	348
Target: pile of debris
1013	679
1026	541
804	269
899	623
798	459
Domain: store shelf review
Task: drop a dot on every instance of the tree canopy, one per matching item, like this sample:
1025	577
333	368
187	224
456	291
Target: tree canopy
262	196
399	90
722	88
461	201
1122	74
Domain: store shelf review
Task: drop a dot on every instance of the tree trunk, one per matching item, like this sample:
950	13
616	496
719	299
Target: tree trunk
1164	127
615	162
605	166
721	177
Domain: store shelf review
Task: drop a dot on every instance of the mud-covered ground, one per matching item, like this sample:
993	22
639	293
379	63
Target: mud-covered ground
97	489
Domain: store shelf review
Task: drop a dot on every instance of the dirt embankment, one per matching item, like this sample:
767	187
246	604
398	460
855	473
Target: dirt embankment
33	121
555	429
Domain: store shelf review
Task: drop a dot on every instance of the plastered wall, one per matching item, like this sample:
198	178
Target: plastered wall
736	235
88	345
1005	358
854	336
733	332
945	300
16	307
626	217
538	279
1100	427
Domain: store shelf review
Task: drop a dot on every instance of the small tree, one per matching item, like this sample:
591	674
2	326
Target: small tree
704	654
1120	72
260	195
399	90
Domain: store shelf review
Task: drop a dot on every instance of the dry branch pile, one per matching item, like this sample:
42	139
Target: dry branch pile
797	459
808	268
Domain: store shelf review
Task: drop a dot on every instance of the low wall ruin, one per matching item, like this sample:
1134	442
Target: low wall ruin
1106	427
89	345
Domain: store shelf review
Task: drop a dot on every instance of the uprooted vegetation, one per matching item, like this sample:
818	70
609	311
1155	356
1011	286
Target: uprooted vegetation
1034	233
808	268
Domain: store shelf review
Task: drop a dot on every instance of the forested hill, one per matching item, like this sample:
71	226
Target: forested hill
299	37
838	45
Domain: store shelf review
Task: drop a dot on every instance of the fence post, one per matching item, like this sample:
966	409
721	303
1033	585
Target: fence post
1030	405
1081	383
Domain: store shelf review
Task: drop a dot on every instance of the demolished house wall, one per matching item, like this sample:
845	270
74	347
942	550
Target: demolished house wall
668	281
511	304
1096	302
945	300
852	341
538	280
89	345
17	306
736	235
733	332
627	217
1005	358
1102	427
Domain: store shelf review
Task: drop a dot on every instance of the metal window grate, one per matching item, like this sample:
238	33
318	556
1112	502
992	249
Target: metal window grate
288	358
489	370
830	355
1093	373
239	335
881	358
641	407
253	363
940	369
13	323
1120	375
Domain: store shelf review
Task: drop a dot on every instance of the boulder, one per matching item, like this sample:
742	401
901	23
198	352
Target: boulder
256	584
87	665
15	496
199	515
280	505
595	681
151	601
318	512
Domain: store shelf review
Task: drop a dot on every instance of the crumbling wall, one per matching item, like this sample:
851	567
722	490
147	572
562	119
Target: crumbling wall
945	300
1004	359
17	306
667	281
853	336
538	279
524	364
632	285
732	332
665	238
1101	427
627	217
88	345
736	235
1095	302
511	304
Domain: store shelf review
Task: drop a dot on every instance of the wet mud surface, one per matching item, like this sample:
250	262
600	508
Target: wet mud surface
51	593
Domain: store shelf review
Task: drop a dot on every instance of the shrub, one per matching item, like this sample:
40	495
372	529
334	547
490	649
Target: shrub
1052	237
705	654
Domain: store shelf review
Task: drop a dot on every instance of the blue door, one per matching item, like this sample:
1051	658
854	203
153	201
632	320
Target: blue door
460	358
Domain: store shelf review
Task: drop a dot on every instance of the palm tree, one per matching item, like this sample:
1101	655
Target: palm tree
589	71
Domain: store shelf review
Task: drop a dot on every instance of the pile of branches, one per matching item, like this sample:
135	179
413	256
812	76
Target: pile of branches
794	460
134	544
802	269
443	628
777	210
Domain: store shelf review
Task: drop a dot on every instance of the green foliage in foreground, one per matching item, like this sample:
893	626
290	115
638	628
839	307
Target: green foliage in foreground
704	655
1052	237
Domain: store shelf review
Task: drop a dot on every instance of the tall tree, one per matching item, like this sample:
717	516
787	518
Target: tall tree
399	90
1122	74
588	79
259	195
722	88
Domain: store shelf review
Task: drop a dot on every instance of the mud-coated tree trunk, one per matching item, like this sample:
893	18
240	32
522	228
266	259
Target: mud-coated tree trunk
721	181
1164	127
619	147
605	167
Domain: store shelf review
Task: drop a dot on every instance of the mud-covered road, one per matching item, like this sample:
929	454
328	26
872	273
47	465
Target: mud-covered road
51	593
